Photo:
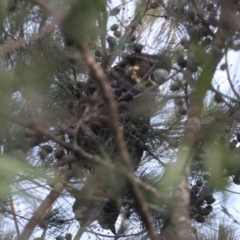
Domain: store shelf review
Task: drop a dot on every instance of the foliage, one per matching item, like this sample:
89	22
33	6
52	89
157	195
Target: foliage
114	122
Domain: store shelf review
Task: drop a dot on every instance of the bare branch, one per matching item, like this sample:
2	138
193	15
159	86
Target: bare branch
44	206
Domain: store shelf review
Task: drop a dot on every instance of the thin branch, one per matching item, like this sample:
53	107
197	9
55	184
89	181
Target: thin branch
157	16
75	148
49	200
21	42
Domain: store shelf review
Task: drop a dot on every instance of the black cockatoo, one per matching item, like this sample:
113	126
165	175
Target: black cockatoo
134	82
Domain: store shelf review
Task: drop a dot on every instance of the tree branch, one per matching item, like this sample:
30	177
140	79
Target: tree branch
119	139
49	200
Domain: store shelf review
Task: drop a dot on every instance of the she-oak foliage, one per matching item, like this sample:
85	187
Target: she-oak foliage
112	125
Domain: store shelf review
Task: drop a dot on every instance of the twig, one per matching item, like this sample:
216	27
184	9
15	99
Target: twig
21	42
158	16
77	149
128	32
155	157
49	200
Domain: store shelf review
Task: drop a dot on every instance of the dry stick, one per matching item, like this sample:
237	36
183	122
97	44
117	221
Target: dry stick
48	201
119	139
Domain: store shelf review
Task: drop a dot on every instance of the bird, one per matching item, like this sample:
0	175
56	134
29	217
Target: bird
139	71
108	215
130	80
149	70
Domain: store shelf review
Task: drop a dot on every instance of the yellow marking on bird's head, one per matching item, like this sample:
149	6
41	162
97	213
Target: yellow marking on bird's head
137	79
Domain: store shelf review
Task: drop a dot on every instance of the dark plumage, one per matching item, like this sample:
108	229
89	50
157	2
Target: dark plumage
134	82
123	107
128	96
109	215
137	47
181	61
91	89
